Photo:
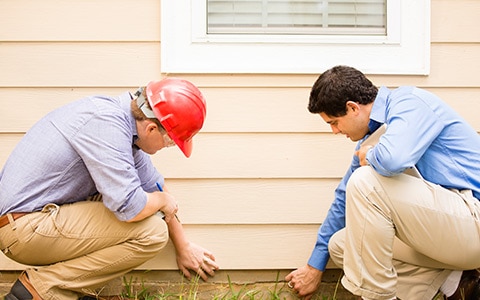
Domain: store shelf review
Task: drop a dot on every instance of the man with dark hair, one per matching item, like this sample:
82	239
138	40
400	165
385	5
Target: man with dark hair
81	202
405	221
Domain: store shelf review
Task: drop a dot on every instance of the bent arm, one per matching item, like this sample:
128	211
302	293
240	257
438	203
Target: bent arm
157	201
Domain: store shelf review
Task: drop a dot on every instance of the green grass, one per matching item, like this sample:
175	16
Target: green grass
190	290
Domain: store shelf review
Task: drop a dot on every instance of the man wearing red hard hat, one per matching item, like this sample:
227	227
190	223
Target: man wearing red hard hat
80	200
179	107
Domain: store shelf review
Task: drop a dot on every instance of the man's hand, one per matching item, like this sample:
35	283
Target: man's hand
195	258
362	154
169	207
305	281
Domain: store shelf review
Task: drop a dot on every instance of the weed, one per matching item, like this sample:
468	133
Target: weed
131	293
189	290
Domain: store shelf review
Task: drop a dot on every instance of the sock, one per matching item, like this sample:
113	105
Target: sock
451	284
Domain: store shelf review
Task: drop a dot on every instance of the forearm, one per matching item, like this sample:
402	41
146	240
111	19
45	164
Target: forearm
152	206
177	234
156	201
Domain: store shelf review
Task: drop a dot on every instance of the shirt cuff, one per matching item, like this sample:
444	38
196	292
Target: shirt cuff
319	259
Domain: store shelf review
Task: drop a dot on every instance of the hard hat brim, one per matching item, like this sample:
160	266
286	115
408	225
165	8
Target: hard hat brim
185	146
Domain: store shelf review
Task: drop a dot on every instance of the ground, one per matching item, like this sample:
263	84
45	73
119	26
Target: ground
226	285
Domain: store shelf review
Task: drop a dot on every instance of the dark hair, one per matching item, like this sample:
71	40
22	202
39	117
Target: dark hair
338	85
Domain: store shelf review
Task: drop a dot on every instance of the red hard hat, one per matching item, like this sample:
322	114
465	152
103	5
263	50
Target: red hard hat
180	108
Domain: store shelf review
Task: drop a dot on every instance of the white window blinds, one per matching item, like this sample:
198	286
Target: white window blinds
338	17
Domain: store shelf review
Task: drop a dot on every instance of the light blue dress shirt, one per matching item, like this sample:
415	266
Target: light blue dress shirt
422	131
76	151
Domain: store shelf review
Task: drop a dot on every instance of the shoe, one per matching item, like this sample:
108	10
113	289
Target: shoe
22	289
469	286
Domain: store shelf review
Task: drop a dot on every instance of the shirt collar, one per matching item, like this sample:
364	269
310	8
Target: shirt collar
377	115
126	99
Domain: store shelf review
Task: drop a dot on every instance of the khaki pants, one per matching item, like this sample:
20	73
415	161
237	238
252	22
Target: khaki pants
79	247
404	236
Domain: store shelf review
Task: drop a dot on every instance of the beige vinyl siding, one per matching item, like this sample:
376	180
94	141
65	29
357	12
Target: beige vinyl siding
93	21
263	170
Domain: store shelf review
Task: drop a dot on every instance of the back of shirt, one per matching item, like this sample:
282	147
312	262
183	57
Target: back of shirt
424	132
76	151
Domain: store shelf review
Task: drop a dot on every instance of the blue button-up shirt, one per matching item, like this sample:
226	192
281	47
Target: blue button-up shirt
422	131
79	150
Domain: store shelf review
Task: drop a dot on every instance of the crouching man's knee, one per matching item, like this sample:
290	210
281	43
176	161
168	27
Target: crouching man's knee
361	179
153	237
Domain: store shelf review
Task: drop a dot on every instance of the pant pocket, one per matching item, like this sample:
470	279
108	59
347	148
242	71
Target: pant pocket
8	239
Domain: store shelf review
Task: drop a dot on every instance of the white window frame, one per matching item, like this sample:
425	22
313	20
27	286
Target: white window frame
186	48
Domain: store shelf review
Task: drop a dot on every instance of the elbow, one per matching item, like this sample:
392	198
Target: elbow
389	170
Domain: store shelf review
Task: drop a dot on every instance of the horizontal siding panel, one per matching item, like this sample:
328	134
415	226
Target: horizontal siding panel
455	21
106	20
282	109
78	64
259	156
253	201
238	247
127	64
246	156
261	109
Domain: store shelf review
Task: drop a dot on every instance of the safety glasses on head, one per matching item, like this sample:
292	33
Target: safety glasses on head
142	103
167	140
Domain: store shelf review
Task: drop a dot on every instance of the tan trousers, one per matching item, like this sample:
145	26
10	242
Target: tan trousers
79	247
404	236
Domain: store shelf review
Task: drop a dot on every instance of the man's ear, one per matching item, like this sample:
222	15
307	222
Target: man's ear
151	127
354	106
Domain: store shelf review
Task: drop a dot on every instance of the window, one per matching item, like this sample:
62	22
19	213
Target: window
293	36
296	17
